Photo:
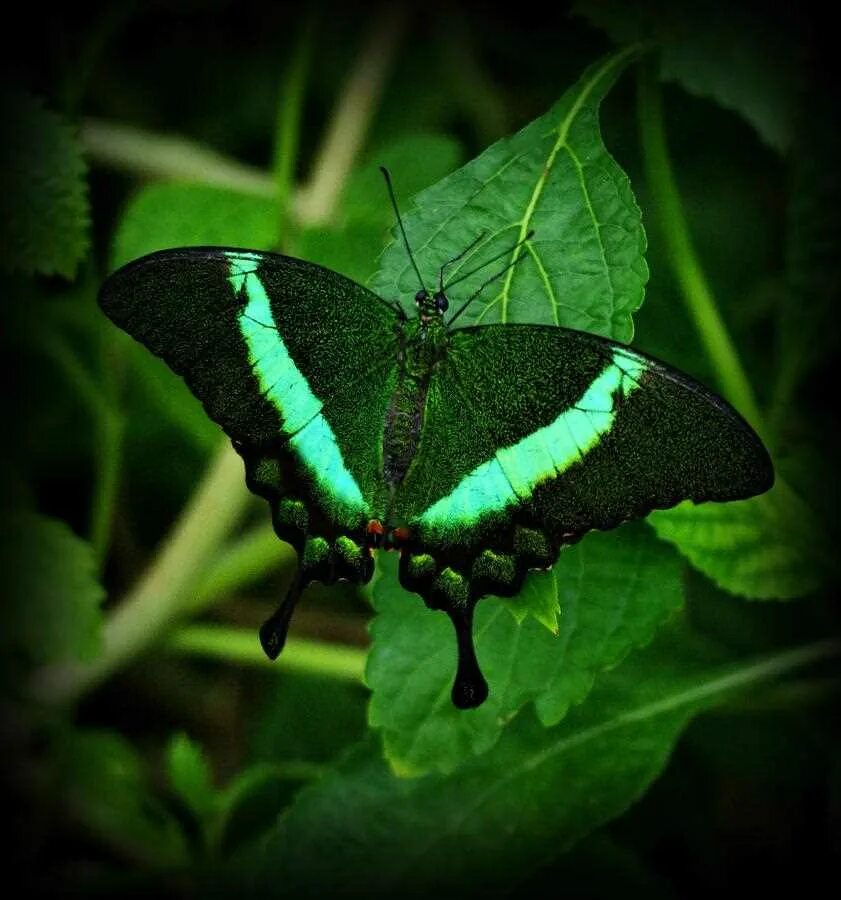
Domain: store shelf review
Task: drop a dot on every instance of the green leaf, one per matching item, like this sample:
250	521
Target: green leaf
584	268
613	591
747	60
52	608
101	781
177	215
284	728
249	804
362	831
45	221
765	548
190	776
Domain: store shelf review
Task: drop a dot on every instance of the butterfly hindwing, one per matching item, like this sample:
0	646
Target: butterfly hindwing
565	431
292	360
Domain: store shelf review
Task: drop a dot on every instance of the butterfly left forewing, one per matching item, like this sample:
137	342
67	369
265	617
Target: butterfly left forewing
292	360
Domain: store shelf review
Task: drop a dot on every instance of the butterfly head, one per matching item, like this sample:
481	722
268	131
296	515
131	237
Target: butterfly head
431	307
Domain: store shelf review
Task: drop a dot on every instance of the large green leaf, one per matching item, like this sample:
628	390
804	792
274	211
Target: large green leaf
612	592
177	214
765	548
44	211
584	268
51	608
361	831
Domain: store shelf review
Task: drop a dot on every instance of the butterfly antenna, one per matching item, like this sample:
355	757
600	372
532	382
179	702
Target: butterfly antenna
487	262
463	253
387	176
493	278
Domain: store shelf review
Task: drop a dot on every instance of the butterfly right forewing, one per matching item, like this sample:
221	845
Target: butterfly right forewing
567	432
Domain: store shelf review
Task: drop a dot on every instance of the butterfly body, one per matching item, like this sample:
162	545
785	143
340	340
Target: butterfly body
421	346
477	452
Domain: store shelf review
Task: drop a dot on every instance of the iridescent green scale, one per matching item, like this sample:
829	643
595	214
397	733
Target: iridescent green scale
477	453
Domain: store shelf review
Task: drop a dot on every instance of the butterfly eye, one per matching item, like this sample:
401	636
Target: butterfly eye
442	304
421	296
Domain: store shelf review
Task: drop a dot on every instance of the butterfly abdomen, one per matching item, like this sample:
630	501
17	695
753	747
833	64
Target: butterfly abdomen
403	427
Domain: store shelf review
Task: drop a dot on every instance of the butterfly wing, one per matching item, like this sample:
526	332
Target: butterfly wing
545	431
294	361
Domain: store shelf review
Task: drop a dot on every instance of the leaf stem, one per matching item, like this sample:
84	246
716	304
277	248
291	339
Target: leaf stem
109	445
288	120
151	155
241	646
246	561
683	257
351	117
162	594
109	429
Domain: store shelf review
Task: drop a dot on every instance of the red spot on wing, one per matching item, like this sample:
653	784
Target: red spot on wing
402	535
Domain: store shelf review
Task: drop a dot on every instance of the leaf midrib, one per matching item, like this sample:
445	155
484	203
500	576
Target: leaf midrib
765	668
561	142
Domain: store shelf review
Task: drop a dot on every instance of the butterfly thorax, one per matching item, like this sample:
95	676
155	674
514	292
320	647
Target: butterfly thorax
421	346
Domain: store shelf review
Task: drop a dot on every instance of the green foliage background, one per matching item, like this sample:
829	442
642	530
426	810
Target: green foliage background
653	727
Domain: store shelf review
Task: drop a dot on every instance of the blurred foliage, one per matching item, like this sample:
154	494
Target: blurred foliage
45	216
186	766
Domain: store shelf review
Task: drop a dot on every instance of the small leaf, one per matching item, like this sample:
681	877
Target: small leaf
584	268
190	776
178	215
361	831
101	781
52	610
765	548
44	210
613	591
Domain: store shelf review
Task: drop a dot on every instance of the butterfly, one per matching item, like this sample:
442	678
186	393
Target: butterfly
476	452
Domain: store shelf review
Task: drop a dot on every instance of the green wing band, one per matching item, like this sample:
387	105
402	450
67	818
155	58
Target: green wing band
283	384
295	362
562	431
280	379
514	473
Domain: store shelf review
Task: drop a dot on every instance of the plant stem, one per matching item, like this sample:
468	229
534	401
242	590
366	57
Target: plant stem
474	90
240	646
151	155
288	120
163	595
354	109
109	430
56	348
109	444
100	396
687	268
246	561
